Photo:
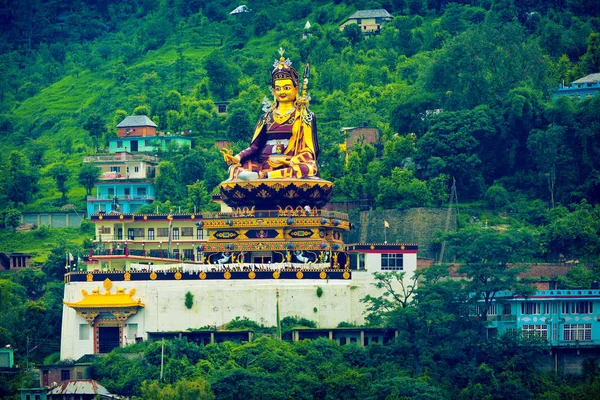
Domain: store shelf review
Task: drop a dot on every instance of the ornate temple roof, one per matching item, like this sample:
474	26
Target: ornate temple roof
97	300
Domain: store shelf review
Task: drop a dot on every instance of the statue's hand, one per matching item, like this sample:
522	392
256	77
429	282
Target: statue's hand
278	162
228	156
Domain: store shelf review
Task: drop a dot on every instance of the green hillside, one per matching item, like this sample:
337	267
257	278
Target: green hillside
460	91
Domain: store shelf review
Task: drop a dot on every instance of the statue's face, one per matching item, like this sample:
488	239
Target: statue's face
285	91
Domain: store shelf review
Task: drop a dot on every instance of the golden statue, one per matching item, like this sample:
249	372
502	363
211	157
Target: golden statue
284	144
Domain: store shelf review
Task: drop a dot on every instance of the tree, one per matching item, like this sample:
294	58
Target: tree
450	147
198	197
60	172
591	59
239	126
12	219
18	182
222	75
166	183
142	110
94	125
195	388
353	33
402	190
88	175
486	253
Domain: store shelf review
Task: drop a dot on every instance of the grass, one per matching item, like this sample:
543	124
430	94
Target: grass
40	243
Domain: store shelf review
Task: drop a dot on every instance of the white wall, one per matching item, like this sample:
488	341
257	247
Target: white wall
219	302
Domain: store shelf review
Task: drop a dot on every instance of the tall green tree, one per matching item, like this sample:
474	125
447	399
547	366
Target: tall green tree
486	254
61	173
94	125
450	147
18	182
239	126
88	176
222	75
166	182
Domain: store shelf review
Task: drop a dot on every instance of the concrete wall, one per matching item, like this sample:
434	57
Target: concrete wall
217	303
415	225
53	220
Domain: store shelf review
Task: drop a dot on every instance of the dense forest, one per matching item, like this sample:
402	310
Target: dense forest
462	93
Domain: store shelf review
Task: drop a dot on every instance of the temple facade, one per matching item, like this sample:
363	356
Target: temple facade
272	251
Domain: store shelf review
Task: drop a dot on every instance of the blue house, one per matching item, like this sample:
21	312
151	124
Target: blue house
565	318
582	88
126	182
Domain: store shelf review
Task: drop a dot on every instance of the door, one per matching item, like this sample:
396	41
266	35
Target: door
134	145
108	338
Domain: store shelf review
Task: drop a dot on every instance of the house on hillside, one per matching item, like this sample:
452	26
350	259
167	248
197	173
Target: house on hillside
582	88
126	182
243	9
14	260
138	133
369	21
566	319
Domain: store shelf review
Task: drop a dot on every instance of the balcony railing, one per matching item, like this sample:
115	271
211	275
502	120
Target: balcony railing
120	198
274	214
121	157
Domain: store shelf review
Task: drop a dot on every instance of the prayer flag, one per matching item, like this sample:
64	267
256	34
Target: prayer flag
386	224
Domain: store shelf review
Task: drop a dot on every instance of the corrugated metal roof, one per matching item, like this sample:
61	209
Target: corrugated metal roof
79	386
591	78
380	13
136	120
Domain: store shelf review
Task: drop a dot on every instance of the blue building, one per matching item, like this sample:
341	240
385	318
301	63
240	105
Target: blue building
565	318
582	88
126	182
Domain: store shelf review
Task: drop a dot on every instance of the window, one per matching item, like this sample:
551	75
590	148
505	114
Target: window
188	254
84	332
136	169
175	233
141	192
492	309
187	232
135	233
162	232
199	233
392	262
577	307
537	330
530	308
150	233
115	169
65	375
119	144
104	230
572	332
111	191
221	108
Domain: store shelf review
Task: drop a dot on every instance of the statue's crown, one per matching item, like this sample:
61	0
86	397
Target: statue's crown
282	69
